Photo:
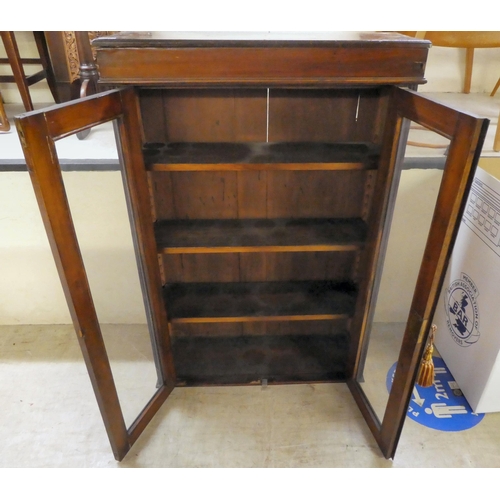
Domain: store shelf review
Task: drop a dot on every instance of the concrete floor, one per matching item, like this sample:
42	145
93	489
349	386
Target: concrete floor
49	418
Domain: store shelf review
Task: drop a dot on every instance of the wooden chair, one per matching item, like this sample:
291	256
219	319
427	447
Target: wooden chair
17	63
73	61
468	40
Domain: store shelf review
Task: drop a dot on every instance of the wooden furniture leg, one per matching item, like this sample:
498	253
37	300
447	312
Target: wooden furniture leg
494	91
16	63
4	122
469	60
88	71
88	68
14	58
496	141
43	52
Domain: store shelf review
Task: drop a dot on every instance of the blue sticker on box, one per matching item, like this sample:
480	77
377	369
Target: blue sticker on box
441	406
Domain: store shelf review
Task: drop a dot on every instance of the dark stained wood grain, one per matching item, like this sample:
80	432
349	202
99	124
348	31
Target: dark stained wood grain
259	266
260	115
231	302
252	194
324	115
210	195
315	194
298	59
205	115
269	39
259	235
347	65
220	156
250	359
271	194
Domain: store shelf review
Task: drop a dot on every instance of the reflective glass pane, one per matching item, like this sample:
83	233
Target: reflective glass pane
406	237
94	187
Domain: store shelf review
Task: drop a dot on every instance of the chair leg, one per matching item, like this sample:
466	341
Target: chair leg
4	122
43	51
12	51
496	141
469	60
494	91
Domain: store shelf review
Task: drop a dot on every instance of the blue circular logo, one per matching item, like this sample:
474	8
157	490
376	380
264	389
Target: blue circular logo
462	311
441	406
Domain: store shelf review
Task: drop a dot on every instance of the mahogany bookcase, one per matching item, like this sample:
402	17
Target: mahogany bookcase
260	172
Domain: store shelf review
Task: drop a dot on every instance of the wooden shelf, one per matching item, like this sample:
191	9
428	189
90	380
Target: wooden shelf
219	156
246	359
259	301
259	235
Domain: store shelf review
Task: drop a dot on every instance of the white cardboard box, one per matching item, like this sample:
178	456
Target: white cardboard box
468	311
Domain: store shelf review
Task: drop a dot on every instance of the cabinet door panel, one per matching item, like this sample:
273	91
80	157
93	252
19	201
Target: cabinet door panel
38	132
465	134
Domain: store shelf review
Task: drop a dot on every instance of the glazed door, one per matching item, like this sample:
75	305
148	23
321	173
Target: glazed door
39	132
459	138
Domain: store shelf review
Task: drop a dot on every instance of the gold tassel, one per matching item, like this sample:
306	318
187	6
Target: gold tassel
426	373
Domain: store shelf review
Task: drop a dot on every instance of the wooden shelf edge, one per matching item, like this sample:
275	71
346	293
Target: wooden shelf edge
232	302
256	319
221	236
264	249
257	156
240	167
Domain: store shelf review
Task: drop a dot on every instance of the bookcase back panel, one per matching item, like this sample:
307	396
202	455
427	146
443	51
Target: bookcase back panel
325	115
259	194
204	115
254	267
256	115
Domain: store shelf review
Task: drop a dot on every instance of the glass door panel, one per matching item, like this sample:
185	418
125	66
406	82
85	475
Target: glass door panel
419	211
98	208
101	236
406	233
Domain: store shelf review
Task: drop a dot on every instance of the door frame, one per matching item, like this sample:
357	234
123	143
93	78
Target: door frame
38	131
466	133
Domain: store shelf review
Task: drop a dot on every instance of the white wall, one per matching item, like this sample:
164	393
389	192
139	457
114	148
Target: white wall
446	69
30	289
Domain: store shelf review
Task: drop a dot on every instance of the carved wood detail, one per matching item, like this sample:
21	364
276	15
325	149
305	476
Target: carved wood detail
72	59
71	50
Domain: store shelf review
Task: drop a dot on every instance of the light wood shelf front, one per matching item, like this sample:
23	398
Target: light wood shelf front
225	156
